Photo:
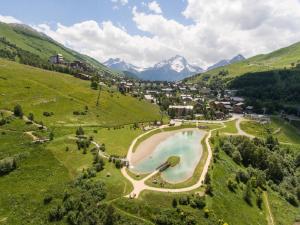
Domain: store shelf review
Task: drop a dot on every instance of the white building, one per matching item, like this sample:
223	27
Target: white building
56	59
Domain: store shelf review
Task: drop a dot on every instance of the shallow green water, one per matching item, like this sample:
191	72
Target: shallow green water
186	145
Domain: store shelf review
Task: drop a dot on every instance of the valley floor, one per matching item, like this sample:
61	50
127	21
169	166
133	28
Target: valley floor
54	167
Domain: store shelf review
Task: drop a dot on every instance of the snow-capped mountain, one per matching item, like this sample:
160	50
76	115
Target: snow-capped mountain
226	62
118	64
175	68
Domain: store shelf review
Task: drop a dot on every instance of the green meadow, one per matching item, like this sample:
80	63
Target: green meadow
282	58
39	91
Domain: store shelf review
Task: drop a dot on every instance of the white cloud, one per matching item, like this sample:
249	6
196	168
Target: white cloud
107	40
154	7
122	2
9	19
220	29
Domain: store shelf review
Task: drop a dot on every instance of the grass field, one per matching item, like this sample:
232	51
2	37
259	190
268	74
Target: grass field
38	174
279	59
32	41
282	211
230	128
285	132
39	91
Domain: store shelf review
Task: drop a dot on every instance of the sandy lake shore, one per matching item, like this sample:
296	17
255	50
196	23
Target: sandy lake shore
145	148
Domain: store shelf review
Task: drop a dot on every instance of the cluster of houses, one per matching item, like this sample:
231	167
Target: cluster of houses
76	65
179	99
184	100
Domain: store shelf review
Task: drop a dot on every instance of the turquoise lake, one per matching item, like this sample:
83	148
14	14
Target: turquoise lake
184	144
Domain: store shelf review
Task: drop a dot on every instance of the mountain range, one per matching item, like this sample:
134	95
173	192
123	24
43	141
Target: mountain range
175	68
226	62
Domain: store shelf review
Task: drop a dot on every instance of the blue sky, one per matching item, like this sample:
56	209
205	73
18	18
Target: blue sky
144	32
69	12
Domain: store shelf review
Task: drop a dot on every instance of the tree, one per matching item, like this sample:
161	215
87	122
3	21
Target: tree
51	136
99	165
79	131
259	199
248	193
84	150
174	203
31	116
102	147
118	163
18	111
231	184
271	142
110	215
94	85
237	158
228	148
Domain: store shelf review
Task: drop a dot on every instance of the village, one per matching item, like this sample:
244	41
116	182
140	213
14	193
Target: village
180	100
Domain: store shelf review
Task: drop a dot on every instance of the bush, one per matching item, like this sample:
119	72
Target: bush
18	111
48	114
79	131
292	200
198	202
259	200
209	190
47	199
7	165
242	176
2	122
56	214
118	164
248	193
206	213
174	203
99	166
232	185
31	116
185	200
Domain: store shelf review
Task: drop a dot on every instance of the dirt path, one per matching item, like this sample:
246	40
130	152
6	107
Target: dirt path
240	131
30	134
270	217
134	216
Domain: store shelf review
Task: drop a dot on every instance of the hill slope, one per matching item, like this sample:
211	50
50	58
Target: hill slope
41	45
40	91
275	60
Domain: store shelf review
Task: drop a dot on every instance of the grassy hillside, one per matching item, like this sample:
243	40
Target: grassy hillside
278	59
39	44
40	91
